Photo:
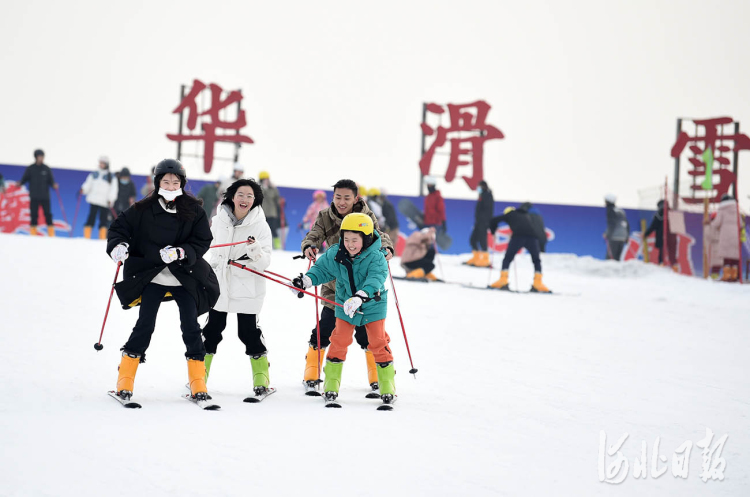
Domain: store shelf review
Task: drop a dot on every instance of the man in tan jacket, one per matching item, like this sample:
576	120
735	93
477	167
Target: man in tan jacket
326	230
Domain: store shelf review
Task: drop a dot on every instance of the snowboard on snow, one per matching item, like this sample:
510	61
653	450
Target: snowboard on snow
412	212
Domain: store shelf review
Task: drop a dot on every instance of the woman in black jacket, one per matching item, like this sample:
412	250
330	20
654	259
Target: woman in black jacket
161	241
482	215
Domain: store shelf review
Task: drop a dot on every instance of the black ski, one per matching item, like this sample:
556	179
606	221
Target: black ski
420	280
124	402
312	387
388	401
331	400
374	392
259	396
206	405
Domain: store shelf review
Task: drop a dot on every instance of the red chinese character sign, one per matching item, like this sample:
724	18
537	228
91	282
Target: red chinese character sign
712	138
212	120
468	118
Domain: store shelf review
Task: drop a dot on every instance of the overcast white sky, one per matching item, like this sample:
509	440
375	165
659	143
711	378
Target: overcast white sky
586	92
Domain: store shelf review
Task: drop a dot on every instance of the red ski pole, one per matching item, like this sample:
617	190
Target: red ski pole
299	290
413	370
75	215
98	345
227	244
62	208
317	319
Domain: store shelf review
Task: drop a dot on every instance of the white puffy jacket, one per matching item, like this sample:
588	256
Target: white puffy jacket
241	290
99	190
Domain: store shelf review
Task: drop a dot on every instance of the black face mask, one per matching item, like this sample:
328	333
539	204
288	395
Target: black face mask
430	188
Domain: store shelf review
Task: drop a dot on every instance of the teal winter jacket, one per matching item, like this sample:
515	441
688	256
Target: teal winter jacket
367	271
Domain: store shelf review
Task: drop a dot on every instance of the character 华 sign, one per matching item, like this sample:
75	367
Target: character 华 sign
212	120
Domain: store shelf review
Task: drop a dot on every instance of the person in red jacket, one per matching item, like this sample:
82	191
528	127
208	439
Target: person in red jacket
434	206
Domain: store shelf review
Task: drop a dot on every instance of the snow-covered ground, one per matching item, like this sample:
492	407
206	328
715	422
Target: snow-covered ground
512	394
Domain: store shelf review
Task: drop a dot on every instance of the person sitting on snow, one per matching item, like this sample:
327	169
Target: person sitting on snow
418	258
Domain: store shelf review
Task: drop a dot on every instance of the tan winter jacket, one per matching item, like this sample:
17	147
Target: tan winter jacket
326	229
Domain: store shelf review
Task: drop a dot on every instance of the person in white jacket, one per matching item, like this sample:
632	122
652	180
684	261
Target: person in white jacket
240	217
100	189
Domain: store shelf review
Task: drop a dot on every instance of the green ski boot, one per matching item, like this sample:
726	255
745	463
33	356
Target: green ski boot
332	381
387	383
259	364
207	360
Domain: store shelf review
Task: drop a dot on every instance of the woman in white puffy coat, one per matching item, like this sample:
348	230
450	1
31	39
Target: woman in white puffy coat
240	217
100	189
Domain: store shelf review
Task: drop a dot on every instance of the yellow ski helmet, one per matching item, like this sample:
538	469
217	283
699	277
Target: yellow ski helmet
356	221
374	192
263	175
508	209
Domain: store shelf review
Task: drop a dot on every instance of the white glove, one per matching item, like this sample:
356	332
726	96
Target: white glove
171	254
352	304
120	252
302	281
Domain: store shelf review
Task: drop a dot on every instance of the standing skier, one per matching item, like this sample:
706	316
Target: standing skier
100	189
359	269
326	230
482	214
39	177
162	239
726	226
434	206
524	236
618	228
658	227
241	217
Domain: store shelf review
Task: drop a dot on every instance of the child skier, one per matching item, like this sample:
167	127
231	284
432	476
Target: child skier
360	270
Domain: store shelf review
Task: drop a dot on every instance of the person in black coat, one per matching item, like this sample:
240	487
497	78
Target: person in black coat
40	179
524	236
657	227
537	221
125	191
482	214
161	240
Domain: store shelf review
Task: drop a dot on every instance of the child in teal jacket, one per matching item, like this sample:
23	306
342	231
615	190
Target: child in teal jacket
360	271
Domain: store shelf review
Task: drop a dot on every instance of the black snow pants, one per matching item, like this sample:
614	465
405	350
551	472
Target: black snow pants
426	262
530	243
247	329
151	298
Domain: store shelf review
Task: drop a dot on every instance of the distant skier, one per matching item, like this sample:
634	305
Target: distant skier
524	236
125	191
240	217
326	229
657	226
389	213
100	189
359	270
618	228
434	206
271	207
537	221
39	178
161	240
319	203
727	226
418	257
483	212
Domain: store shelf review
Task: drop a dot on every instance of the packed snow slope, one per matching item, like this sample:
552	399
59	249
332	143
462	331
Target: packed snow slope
511	395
